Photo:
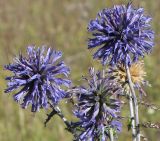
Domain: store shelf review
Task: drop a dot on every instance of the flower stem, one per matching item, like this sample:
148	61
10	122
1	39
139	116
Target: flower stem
111	134
135	103
56	111
59	113
133	126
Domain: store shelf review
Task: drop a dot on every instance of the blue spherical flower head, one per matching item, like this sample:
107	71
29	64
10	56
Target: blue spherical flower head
98	108
122	33
38	78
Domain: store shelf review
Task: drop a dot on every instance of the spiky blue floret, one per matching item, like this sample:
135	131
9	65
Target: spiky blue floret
38	78
97	108
122	33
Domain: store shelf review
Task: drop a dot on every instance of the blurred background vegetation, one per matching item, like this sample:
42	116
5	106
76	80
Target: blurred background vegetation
62	24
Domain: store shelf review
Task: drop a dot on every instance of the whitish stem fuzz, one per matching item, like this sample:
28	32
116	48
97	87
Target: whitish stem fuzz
111	134
133	107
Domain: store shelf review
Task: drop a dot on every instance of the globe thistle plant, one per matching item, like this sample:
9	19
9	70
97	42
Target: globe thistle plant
98	108
122	33
37	77
137	72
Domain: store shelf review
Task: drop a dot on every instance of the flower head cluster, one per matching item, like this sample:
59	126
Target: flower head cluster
137	72
38	78
98	108
123	33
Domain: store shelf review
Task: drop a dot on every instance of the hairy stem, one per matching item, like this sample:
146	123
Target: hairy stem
133	126
151	125
135	103
56	111
111	134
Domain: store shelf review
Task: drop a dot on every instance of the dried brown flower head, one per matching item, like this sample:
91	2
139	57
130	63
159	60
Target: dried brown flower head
137	75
